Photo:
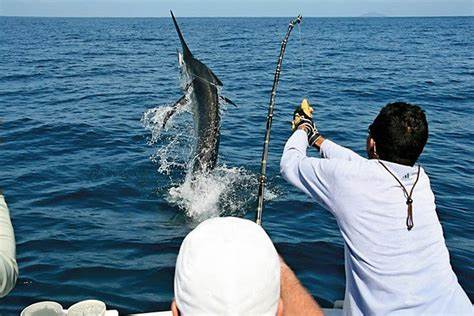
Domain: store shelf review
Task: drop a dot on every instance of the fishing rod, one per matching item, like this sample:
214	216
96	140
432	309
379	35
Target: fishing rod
276	79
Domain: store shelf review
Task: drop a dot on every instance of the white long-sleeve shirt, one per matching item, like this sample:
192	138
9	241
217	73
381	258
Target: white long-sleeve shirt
389	270
8	265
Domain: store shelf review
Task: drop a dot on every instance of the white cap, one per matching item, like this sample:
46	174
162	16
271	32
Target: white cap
227	266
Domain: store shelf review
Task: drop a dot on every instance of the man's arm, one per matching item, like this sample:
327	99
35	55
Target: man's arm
293	153
303	119
314	176
8	265
331	150
296	299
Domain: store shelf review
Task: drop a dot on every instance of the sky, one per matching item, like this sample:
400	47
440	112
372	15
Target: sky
204	8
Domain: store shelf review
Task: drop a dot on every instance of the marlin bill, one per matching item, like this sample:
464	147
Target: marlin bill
201	91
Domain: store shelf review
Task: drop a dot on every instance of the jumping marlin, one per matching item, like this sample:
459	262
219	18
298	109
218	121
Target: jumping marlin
202	89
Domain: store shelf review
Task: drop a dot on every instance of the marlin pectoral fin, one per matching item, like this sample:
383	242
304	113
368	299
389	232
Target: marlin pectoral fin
227	100
182	101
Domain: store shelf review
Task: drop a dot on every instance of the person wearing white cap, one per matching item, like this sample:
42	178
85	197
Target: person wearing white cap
229	266
8	265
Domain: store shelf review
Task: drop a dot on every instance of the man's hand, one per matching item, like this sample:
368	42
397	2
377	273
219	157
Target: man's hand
303	119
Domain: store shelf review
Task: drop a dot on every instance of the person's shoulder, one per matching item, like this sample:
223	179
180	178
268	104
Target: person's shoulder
352	165
345	168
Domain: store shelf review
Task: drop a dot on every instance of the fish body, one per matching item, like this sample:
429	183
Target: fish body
202	87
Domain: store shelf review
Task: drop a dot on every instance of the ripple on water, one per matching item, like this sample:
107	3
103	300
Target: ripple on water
95	217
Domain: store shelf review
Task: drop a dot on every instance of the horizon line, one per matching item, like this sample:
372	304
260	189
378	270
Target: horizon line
239	16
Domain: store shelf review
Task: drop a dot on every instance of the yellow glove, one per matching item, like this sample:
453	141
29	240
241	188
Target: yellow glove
302	114
306	108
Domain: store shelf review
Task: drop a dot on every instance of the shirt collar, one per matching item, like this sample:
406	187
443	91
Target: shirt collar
402	171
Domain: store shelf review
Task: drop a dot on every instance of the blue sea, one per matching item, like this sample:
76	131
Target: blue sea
96	187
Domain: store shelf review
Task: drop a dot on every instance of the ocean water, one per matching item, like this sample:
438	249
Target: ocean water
97	188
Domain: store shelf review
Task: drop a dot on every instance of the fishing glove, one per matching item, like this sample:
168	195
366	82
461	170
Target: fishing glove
303	116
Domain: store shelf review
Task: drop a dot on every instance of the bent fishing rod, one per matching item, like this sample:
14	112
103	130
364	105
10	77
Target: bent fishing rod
263	171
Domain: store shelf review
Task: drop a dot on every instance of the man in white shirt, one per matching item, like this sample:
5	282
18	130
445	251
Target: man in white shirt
396	258
8	266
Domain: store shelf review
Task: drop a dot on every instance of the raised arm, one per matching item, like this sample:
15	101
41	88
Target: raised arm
313	176
317	177
8	265
331	150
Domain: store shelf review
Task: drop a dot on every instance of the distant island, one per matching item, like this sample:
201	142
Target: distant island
373	15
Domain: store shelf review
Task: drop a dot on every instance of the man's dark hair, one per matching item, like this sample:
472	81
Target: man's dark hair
400	132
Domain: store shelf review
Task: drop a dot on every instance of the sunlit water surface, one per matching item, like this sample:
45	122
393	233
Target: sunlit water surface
97	188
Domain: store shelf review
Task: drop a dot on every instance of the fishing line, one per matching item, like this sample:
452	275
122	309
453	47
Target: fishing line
203	79
301	55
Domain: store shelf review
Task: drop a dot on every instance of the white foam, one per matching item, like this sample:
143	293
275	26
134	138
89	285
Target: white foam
175	138
223	191
154	118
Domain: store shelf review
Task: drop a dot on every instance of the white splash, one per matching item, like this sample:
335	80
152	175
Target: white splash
222	191
175	138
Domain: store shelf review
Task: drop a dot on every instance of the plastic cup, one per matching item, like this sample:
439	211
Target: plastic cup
87	308
43	309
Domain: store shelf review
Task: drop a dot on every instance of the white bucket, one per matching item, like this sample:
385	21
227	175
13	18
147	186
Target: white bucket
43	309
87	308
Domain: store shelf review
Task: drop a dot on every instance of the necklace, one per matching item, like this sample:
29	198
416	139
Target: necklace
409	200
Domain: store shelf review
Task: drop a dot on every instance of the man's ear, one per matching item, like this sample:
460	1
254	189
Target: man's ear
174	309
280	308
372	148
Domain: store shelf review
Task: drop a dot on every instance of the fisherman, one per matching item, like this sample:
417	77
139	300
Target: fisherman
229	266
8	265
396	259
